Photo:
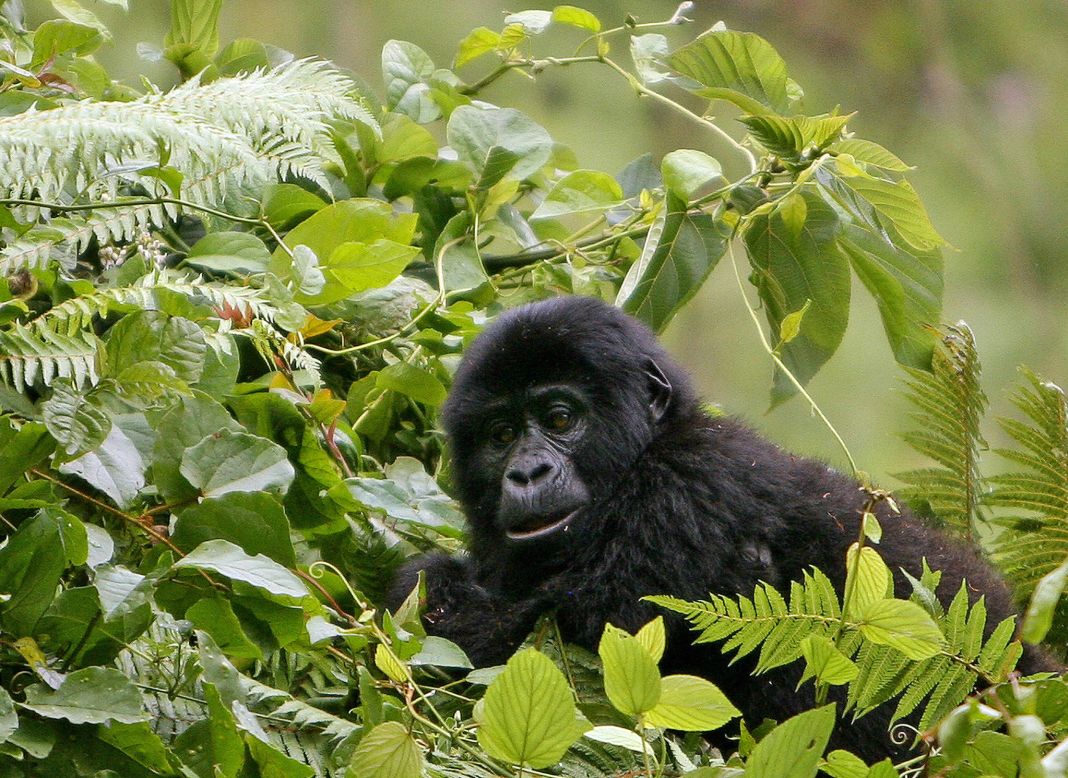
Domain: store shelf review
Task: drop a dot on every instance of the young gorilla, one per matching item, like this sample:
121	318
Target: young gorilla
591	477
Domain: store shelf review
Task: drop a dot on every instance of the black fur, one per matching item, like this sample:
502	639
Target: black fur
679	503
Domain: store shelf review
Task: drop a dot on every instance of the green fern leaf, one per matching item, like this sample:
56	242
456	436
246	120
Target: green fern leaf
950	404
27	356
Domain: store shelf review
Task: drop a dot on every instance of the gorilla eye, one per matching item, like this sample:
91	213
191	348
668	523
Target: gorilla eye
503	434
559	419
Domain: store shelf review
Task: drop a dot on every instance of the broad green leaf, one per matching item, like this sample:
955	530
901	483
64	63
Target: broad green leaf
390	664
653	639
93	695
794	748
842	764
9	720
690	704
685	171
21	448
631	679
902	625
74	419
412	381
236	462
826	662
154	336
790	269
649	53
1043	605
216	616
439	652
115	467
243	55
55	37
582	191
406	69
680	251
907	287
356	267
255	521
788	137
271	761
873	531
867	579
474	132
229	560
742	68
481	40
885	205
387	751
306	278
617	736
404	139
870	153
194	35
529	714
461	263
140	743
286	204
576	17
191	420
232	252
31	564
359	220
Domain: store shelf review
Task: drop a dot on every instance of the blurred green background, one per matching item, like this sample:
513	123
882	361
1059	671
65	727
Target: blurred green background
974	94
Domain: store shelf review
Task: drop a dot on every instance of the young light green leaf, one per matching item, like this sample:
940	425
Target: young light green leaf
481	40
286	204
576	17
154	336
582	191
685	171
529	714
474	132
1043	605
680	251
617	736
873	530
359	220
92	695
826	662
690	704
224	558
902	625
789	137
870	153
897	204
842	764
794	210
387	751
631	679
793	749
653	638
867	579
742	68
236	462
791	325
356	267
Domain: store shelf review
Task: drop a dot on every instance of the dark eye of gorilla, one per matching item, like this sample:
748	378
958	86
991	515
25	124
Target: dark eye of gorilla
503	433
559	419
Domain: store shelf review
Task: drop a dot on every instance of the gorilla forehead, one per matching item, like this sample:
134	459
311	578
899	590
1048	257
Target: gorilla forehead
564	339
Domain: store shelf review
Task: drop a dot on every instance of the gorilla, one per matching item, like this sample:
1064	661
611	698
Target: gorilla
591	477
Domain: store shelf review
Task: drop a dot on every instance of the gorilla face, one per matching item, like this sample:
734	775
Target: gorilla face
546	417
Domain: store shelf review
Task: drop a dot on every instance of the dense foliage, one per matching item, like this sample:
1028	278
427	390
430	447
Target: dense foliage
233	307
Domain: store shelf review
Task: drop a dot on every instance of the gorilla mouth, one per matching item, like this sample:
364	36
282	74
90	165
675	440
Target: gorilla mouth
540	527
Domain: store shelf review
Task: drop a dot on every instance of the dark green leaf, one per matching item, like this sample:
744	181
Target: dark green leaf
255	521
793	749
94	695
236	462
226	559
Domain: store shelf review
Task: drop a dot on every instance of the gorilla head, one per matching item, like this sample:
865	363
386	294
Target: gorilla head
551	406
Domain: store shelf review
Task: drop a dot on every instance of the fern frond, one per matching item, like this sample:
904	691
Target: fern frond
225	138
77	313
26	355
1036	540
950	405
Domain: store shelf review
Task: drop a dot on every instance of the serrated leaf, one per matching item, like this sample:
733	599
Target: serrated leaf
870	153
387	751
224	558
631	679
902	625
653	638
690	704
742	68
867	579
788	137
529	714
93	695
680	251
581	191
896	204
236	462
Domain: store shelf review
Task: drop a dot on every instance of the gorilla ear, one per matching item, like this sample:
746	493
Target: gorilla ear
659	390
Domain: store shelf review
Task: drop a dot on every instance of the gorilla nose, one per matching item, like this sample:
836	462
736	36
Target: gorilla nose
529	475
